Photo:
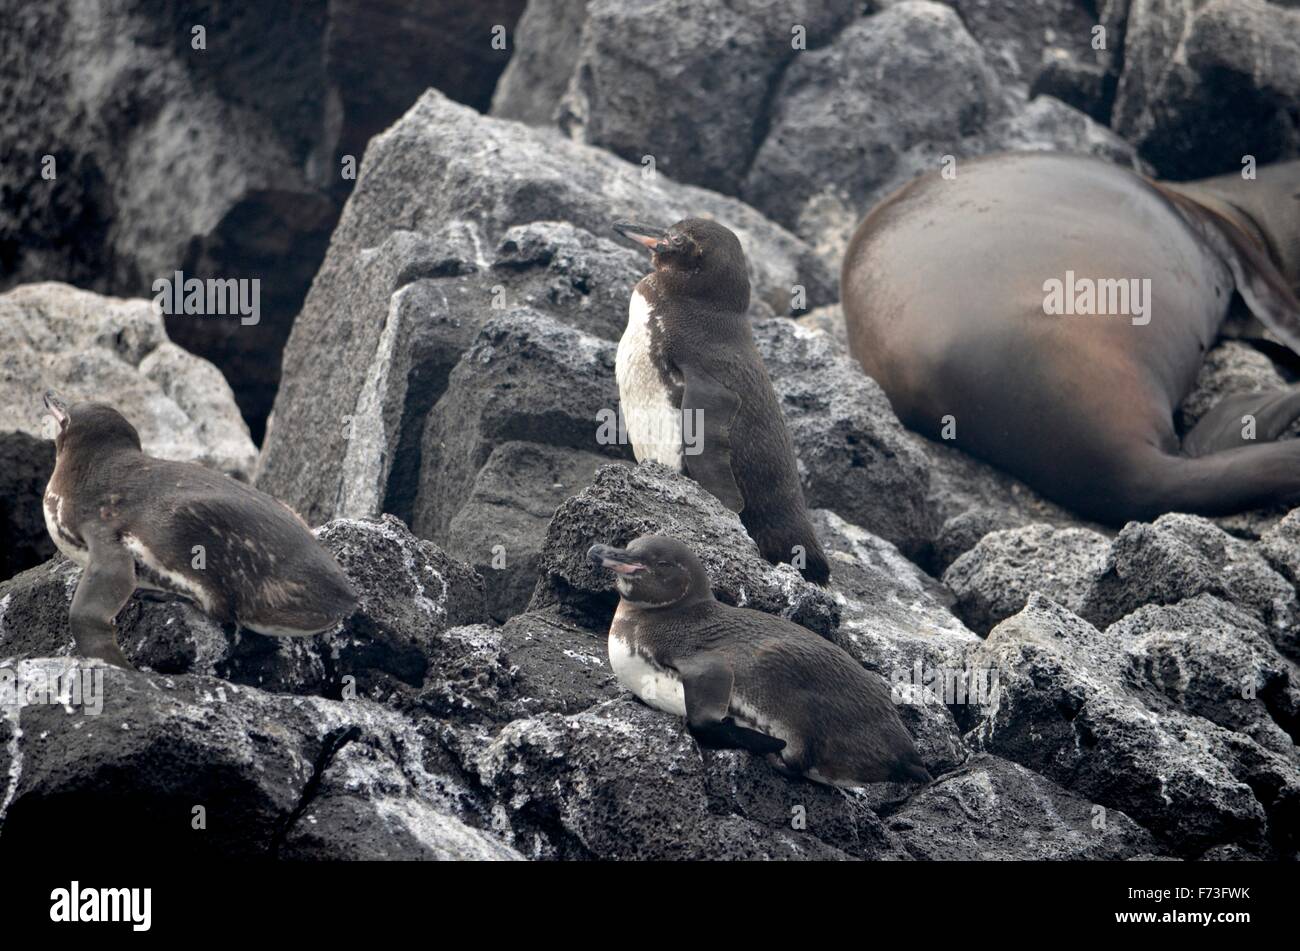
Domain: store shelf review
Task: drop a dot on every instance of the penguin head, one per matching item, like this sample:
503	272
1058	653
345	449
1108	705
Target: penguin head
696	258
90	426
654	572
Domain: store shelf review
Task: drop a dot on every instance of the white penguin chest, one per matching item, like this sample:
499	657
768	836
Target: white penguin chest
659	688
59	534
654	425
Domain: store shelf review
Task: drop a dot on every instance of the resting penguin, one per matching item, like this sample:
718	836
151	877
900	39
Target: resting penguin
947	283
132	521
694	392
746	679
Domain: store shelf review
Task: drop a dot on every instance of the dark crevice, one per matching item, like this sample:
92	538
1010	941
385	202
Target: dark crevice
334	741
763	114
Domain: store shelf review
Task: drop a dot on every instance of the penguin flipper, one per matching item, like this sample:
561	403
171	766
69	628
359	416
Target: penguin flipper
106	584
706	682
718	405
729	735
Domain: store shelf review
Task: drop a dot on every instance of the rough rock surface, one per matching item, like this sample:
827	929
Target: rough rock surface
526	377
194	766
994	579
620	780
855	457
501	525
991	809
896	620
226	157
1180	556
1019	40
1202	79
687	82
440	188
1064	707
1216	661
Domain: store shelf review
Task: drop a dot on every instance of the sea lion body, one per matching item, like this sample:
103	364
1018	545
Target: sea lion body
945	286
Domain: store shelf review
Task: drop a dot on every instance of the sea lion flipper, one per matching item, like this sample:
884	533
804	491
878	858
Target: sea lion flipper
106	583
717	404
1257	279
1242	419
707	680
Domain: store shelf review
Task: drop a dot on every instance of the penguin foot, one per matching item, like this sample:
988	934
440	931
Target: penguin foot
109	653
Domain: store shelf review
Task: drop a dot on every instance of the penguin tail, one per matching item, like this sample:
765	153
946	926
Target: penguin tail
817	569
913	771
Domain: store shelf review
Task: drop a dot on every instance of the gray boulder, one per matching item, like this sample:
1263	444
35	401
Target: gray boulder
854	456
516	432
1020	41
88	347
1216	661
994	579
1063	708
624	502
687	82
526	377
843	115
227	158
991	809
196	767
897	94
501	526
548	40
1281	546
1180	556
1202	77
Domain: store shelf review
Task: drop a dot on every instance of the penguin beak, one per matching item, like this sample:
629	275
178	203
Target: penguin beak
615	559
646	235
58	409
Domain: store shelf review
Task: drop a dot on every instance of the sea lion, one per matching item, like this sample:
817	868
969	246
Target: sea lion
962	298
132	521
749	680
696	396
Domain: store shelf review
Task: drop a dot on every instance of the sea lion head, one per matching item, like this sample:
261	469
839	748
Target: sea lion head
654	571
93	426
696	258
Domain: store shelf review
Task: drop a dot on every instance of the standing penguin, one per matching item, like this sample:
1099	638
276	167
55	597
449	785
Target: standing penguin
695	394
746	679
133	521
